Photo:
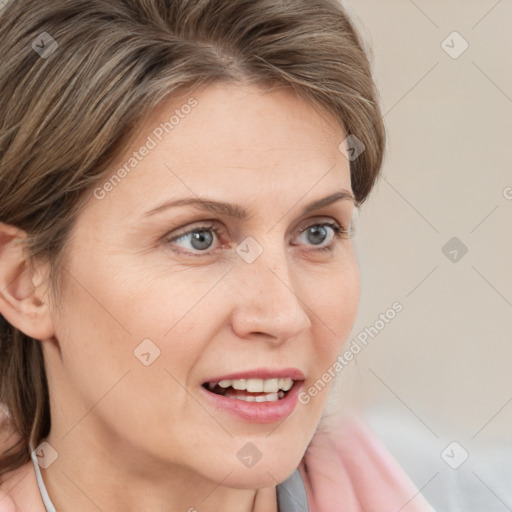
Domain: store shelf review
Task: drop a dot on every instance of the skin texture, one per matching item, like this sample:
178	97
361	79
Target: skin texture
134	437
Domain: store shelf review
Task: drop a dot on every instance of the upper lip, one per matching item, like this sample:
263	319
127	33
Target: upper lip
261	373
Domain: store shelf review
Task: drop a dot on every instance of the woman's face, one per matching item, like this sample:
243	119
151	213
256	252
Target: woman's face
237	281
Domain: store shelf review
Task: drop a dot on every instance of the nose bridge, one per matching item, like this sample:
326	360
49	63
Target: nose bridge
269	266
269	301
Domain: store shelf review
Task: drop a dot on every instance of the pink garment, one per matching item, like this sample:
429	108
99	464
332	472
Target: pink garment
344	469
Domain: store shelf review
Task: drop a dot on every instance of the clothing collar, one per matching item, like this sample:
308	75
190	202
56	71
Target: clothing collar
291	494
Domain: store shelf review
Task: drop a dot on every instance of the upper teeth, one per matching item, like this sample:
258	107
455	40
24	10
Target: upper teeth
257	385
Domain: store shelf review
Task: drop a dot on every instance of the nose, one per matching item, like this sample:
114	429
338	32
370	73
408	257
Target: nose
267	301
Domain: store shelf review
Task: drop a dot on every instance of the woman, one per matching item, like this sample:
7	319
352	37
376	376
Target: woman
178	180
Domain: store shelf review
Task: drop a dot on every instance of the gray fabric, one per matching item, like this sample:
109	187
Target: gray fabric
291	494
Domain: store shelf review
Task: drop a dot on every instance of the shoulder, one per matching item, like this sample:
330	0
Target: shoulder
19	491
346	467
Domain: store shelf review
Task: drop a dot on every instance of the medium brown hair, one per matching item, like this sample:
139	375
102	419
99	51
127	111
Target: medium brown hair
66	115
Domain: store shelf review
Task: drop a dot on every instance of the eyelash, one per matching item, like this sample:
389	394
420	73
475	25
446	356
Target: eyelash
339	233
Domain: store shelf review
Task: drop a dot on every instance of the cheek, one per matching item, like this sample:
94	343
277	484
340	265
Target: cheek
334	304
116	357
115	322
333	312
345	300
94	339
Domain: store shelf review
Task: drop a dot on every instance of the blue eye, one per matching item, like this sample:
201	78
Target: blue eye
200	240
323	234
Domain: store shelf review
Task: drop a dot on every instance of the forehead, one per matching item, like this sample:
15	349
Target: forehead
235	142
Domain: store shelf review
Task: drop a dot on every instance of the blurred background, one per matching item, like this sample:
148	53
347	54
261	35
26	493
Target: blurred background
435	381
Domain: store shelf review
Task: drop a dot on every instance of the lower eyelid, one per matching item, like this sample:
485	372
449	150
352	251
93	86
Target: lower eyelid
338	229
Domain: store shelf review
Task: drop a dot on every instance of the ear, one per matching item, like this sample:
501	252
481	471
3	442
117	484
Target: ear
23	295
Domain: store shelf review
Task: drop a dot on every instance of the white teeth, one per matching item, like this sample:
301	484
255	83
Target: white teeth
271	385
239	384
285	384
256	385
271	397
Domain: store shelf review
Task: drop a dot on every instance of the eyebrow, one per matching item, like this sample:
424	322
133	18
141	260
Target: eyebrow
237	212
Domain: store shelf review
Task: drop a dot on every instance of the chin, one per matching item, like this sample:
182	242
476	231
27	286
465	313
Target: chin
263	474
259	476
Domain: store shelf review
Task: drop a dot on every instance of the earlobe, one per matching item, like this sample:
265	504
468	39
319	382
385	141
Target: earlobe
23	304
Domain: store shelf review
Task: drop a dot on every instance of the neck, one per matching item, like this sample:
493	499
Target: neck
93	478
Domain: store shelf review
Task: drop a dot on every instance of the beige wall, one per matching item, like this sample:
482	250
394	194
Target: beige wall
445	361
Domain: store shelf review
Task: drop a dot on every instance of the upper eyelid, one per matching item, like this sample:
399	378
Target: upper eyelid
334	210
214	226
215	223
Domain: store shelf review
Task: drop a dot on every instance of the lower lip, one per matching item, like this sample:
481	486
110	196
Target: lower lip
258	412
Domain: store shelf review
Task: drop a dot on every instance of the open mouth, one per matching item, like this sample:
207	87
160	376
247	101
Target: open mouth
252	390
